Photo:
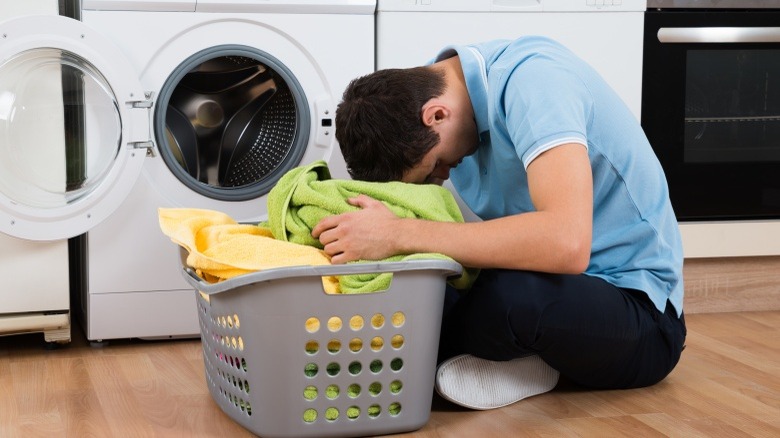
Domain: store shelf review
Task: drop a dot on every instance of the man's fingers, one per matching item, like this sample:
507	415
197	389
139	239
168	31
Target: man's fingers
362	201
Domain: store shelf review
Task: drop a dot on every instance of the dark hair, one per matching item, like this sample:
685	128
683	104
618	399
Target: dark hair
379	124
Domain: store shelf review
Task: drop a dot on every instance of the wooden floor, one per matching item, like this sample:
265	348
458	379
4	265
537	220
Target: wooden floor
727	384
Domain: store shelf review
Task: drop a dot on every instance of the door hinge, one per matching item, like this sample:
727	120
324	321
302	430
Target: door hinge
148	145
145	104
140	104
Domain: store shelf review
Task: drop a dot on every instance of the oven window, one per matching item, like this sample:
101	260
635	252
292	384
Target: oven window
732	106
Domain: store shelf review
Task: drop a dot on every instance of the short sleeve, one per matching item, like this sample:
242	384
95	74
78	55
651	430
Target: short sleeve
546	105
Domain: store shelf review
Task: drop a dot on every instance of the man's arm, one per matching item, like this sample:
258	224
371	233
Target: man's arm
554	238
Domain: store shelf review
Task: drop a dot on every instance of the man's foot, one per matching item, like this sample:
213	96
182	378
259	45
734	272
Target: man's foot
485	384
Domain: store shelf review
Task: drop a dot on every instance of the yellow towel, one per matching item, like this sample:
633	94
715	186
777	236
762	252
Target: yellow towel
220	248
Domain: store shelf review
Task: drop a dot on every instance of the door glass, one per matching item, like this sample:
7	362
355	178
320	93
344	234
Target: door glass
60	128
732	106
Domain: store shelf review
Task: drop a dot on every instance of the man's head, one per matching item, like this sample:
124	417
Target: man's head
379	122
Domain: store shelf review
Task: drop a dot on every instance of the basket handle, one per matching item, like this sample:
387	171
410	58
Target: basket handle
448	268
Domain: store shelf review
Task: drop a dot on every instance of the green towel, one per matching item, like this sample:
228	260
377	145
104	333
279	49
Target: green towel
307	194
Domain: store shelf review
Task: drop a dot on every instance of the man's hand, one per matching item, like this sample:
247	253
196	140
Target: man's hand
366	234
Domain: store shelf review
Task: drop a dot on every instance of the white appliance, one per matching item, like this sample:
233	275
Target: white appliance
225	97
35	294
608	34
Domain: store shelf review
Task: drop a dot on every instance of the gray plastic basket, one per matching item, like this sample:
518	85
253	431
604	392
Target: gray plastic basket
285	359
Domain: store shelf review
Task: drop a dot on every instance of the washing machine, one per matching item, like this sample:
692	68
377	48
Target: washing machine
608	34
213	102
35	293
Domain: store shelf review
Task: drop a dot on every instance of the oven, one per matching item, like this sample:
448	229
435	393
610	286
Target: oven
711	107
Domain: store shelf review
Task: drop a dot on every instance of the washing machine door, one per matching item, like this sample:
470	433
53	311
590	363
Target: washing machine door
74	127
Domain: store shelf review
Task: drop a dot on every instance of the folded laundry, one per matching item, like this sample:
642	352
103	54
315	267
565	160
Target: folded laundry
307	194
220	248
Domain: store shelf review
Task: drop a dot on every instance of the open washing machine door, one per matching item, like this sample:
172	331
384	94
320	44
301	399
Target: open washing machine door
74	127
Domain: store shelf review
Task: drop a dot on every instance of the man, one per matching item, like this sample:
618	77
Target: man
579	247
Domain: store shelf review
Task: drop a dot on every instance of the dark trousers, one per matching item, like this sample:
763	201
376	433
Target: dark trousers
593	333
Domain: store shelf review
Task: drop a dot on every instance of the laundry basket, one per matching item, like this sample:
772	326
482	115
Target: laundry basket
285	359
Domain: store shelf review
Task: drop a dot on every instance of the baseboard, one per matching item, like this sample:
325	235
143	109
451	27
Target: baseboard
735	284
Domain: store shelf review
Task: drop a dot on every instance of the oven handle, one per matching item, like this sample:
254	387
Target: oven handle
719	34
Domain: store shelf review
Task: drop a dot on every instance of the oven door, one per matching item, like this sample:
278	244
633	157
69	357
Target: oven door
711	110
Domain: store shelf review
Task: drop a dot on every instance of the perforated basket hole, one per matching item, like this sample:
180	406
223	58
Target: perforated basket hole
310	415
397	341
375	366
334	324
375	388
334	346
312	347
396	386
353	390
378	321
396	364
310	392
332	392
355	345
356	322
394	409
311	370
377	343
374	411
333	369
355	368
398	319
331	414
312	325
353	412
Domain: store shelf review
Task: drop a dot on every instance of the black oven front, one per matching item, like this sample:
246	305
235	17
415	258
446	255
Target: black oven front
711	105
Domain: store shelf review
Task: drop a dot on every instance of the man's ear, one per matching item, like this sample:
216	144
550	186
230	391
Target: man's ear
434	112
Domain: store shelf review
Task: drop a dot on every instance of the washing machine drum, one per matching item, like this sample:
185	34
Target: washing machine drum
233	125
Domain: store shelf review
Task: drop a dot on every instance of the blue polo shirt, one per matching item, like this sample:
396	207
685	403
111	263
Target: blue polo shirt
532	94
